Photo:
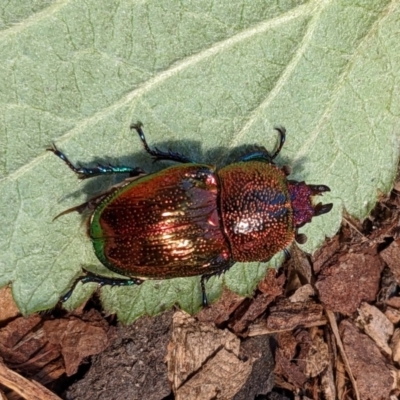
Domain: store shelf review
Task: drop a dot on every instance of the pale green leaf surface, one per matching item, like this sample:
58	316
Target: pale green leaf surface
205	77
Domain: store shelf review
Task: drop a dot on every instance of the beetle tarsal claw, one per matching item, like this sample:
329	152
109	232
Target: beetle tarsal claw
136	125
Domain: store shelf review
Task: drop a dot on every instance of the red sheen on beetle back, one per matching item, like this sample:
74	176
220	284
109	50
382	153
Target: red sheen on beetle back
256	210
161	225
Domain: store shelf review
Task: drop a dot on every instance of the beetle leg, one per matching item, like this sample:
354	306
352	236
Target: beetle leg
282	138
84	173
203	289
206	277
102	281
287	254
263	154
156	153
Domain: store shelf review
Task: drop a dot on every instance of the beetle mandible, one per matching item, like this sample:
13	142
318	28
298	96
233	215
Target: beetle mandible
192	219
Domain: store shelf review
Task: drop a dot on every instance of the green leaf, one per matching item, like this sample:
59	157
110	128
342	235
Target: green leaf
205	78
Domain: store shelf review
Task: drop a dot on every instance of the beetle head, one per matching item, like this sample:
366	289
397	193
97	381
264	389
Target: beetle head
304	210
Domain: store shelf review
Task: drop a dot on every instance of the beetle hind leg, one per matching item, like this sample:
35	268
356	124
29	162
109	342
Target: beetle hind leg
84	173
101	281
156	153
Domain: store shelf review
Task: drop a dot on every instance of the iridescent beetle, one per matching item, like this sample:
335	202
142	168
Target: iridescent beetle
191	219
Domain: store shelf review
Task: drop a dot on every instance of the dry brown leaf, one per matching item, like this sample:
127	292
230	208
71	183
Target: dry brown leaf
194	355
20	339
77	340
221	377
35	347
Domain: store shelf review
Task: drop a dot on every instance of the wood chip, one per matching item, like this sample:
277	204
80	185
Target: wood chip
287	315
220	311
395	345
8	308
325	253
393	315
391	255
254	310
317	357
343	286
393	302
376	326
289	370
328	387
303	293
373	376
272	284
27	389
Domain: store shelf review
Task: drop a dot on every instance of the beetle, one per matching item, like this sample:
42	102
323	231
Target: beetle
192	219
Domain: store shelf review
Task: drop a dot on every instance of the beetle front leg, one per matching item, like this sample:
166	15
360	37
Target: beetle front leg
156	153
102	281
84	173
263	154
